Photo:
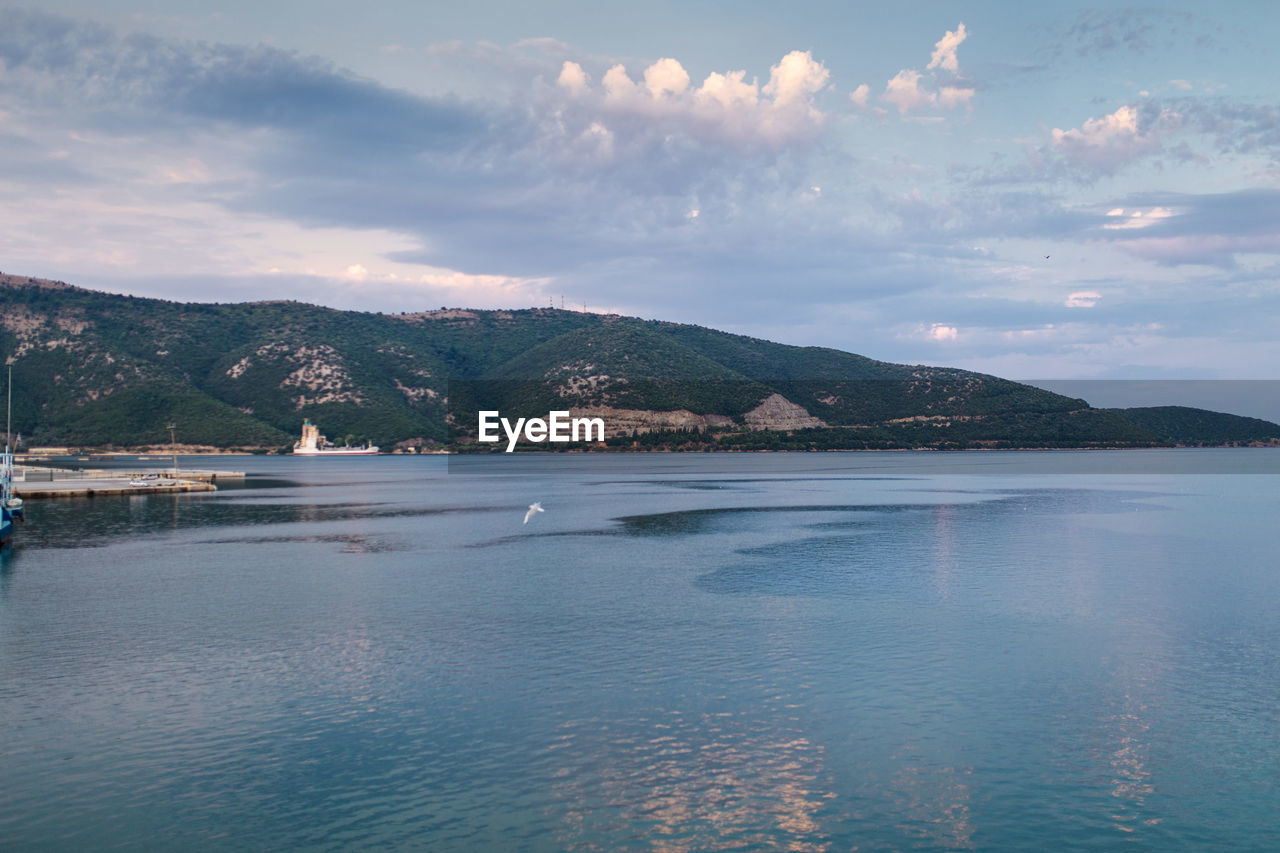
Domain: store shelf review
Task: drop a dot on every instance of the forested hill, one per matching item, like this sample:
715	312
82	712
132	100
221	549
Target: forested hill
93	369
1190	427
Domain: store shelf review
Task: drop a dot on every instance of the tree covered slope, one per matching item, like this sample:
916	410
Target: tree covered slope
95	370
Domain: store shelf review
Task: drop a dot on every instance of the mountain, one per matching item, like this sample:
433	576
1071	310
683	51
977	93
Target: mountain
97	369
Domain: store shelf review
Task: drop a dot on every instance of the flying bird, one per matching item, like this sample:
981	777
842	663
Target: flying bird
1046	257
533	508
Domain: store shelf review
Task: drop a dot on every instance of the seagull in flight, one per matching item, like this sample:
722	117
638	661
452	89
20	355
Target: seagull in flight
534	508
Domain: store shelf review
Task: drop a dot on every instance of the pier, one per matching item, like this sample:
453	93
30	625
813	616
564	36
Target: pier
40	482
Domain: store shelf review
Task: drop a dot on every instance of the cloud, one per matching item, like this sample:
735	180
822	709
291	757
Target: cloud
729	91
723	109
435	283
903	91
1168	132
1101	31
1083	299
67	62
544	44
1136	218
1103	146
911	90
1211	229
950	97
666	78
944	52
860	94
573	78
1235	127
796	79
939	332
1218	250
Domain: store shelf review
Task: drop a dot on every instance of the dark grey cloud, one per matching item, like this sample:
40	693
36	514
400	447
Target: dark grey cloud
1102	31
1252	212
1235	126
143	79
1208	229
1135	30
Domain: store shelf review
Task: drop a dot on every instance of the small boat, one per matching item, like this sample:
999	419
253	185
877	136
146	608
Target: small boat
10	505
313	443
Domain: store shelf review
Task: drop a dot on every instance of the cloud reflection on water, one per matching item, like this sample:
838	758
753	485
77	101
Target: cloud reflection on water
692	780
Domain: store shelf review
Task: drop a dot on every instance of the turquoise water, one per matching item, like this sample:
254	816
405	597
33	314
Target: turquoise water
684	652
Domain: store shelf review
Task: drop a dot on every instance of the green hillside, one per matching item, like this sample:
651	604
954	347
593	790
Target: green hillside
626	364
101	370
1191	427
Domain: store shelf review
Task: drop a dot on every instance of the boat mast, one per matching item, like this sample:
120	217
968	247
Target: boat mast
6	466
173	448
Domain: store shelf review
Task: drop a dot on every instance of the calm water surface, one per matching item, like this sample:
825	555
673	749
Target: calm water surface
684	652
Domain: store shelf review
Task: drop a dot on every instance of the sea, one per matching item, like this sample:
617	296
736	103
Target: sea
1067	650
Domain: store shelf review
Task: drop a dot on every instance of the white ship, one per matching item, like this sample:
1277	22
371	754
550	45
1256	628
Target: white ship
315	444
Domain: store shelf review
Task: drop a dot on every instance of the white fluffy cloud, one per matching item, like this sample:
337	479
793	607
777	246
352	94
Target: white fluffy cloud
912	90
796	79
1106	144
950	97
1101	132
666	78
725	106
572	78
944	52
903	91
729	90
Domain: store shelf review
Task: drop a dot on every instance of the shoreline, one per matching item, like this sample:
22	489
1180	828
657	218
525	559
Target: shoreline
129	455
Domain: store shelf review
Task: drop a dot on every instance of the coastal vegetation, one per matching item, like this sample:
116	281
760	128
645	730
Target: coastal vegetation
101	370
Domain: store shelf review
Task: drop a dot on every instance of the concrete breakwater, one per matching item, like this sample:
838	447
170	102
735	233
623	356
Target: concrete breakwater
34	483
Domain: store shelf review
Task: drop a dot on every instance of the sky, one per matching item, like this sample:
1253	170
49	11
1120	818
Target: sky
1036	191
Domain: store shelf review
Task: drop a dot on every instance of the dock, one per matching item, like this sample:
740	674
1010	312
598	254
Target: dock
34	483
